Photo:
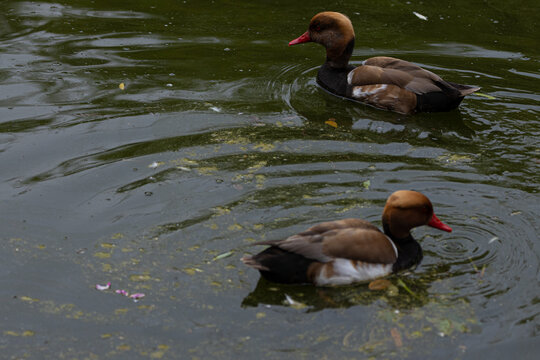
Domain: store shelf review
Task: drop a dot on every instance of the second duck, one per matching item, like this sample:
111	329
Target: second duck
384	82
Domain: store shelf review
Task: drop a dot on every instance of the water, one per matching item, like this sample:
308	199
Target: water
219	139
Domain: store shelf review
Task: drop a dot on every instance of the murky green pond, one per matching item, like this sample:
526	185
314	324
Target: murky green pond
217	139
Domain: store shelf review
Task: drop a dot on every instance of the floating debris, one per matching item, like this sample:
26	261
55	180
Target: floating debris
420	16
122	86
222	256
260	315
103	287
293	303
485	96
346	338
121	292
396	336
379	284
155	164
404	286
192	271
473	265
136	296
483	270
332	122
493	239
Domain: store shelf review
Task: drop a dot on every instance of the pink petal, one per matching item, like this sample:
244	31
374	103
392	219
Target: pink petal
137	296
103	287
122	292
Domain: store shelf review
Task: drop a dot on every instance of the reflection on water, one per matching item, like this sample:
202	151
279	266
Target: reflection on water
219	139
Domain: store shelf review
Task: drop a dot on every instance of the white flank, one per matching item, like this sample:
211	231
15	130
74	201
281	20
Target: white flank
344	272
358	91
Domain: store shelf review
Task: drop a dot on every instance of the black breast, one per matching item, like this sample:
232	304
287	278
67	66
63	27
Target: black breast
334	79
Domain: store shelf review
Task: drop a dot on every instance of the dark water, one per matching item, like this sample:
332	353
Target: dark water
219	139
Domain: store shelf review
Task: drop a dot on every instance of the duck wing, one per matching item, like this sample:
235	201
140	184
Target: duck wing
406	75
352	239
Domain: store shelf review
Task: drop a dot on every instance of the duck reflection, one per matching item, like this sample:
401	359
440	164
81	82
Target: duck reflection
399	294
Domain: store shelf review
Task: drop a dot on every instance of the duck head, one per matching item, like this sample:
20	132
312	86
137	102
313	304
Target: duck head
335	32
405	210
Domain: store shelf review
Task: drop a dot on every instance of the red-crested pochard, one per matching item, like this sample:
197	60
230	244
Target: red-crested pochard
350	250
384	82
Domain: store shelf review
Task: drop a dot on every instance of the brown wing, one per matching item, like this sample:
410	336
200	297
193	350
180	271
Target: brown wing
359	244
391	71
349	238
341	224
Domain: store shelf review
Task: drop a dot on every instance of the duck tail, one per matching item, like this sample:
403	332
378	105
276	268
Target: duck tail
464	89
251	262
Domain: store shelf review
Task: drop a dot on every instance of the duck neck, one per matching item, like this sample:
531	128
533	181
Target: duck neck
338	57
409	250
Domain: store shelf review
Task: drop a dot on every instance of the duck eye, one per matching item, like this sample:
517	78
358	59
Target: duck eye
318	28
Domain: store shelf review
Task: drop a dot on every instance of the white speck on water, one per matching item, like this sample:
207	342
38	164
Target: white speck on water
420	16
169	85
215	108
493	239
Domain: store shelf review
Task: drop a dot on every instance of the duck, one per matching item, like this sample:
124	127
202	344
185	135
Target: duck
383	82
347	251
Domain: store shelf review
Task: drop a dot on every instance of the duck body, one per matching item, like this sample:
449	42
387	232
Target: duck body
350	250
384	82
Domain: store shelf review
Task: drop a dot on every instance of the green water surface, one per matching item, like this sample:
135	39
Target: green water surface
218	139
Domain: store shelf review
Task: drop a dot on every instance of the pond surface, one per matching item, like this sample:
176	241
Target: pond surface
218	139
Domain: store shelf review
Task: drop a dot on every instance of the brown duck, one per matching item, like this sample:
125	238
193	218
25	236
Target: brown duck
384	82
350	250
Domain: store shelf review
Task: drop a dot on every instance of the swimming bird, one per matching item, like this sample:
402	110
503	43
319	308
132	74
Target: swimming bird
384	82
350	250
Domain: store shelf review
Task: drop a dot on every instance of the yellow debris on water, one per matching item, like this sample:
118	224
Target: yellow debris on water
260	315
102	255
485	95
379	284
264	147
235	227
332	122
140	277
